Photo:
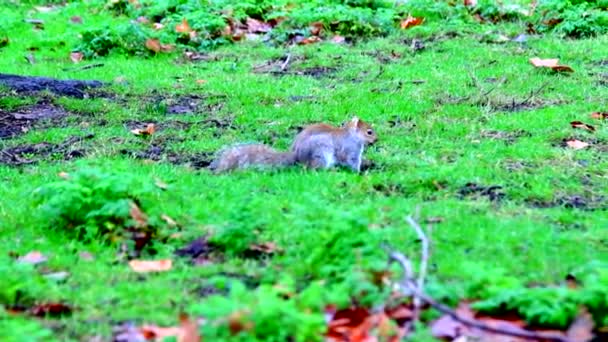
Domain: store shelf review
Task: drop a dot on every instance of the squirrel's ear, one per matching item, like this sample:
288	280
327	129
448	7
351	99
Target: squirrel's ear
354	122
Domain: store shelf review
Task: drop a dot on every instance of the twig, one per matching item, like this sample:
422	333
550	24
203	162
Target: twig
84	67
284	65
532	94
423	261
415	289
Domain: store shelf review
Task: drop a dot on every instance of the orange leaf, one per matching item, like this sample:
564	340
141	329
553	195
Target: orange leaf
189	329
582	125
142	266
599	115
153	45
183	27
237	322
309	40
576	144
50	309
76	56
257	26
137	215
552	63
411	22
316	28
149	130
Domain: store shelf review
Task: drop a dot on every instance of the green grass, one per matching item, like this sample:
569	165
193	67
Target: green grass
434	138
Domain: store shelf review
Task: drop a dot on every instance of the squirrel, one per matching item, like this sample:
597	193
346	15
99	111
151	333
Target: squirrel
316	146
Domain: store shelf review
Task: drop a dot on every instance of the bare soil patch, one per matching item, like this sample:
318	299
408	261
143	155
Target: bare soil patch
21	120
30	84
70	148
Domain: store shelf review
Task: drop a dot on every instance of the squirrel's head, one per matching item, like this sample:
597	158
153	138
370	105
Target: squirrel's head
363	129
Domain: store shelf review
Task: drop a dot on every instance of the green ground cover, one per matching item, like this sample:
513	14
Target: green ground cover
470	133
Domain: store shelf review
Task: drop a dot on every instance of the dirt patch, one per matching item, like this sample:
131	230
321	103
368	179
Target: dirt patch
191	104
32	153
28	84
158	153
22	119
572	202
476	191
288	65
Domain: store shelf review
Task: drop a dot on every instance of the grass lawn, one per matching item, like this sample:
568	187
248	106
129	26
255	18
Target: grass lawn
472	138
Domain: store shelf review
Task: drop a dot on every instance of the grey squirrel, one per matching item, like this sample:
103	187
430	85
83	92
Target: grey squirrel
316	146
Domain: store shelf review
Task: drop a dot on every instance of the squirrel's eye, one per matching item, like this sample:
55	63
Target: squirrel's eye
370	132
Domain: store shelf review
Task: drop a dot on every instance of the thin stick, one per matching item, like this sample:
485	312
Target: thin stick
84	67
423	260
284	65
411	288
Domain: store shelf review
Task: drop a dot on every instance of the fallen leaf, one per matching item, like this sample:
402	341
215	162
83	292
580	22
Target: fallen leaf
63	175
238	321
76	19
184	27
189	329
576	144
264	247
158	26
33	258
309	40
44	9
142	266
257	26
582	125
411	22
599	115
201	81
167	47
316	28
552	64
142	20
470	3
50	309
57	276
149	130
153	45
76	56
137	215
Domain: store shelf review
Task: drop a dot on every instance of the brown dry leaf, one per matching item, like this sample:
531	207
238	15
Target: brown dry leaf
50	309
257	26
149	130
581	330
153	45
264	247
63	175
411	22
310	40
167	47
76	57
316	28
33	258
599	115
200	81
582	125
238	321
470	3
189	330
158	26
142	266
138	215
576	144
552	63
184	27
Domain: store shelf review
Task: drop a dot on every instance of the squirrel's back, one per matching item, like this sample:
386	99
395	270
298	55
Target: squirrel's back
247	155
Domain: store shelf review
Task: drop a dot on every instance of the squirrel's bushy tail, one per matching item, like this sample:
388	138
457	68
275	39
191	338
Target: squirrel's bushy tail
250	155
